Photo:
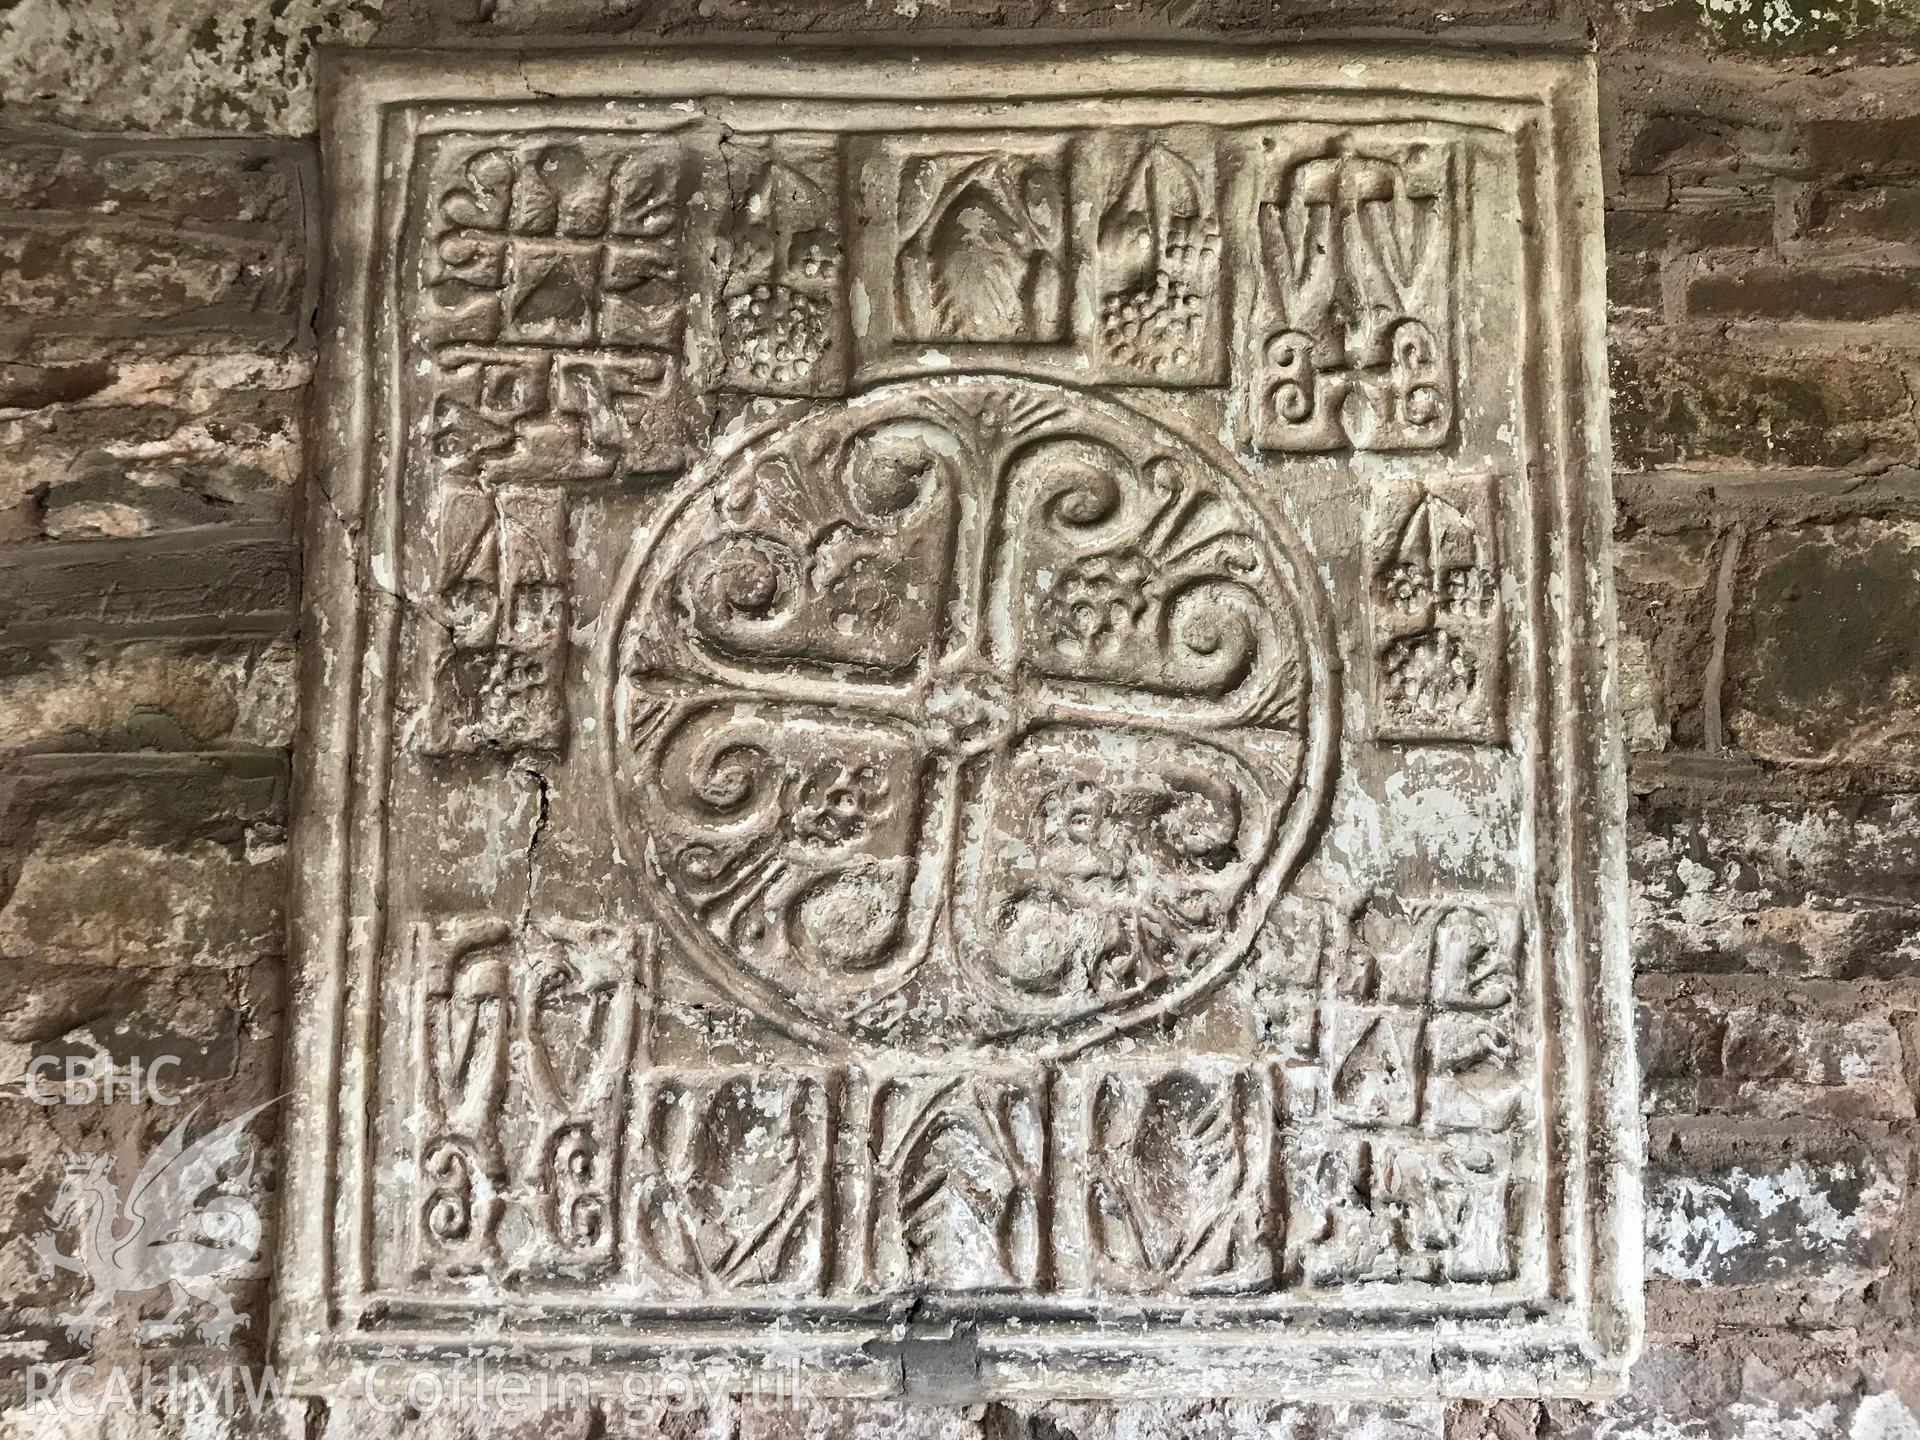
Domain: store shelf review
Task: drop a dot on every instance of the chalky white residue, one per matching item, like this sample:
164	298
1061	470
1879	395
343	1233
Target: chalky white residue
1693	1224
1691	1231
1437	821
1883	1417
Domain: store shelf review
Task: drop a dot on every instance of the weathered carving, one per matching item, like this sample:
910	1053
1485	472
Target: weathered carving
727	1175
1157	260
886	782
954	1184
554	309
524	1045
1404	1085
1439	632
971	708
503	414
1405	1210
1356	350
1174	1191
782	305
982	245
494	621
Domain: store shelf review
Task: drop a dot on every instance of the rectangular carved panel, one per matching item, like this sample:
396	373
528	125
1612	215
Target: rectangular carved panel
1169	1182
496	640
783	308
1355	349
959	729
727	1182
1439	641
1155	262
524	1042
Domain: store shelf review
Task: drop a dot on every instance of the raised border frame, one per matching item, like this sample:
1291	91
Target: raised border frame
337	911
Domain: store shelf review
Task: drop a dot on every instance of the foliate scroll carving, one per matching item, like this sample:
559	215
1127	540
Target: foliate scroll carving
1355	347
1172	1187
728	1182
524	1043
953	1189
495	621
1156	259
783	311
982	244
1438	611
553	308
970	709
1405	1081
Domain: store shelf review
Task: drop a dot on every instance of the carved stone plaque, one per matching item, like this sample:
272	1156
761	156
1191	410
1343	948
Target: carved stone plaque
958	729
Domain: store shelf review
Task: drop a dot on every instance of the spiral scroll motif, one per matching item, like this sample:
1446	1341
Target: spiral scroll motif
973	711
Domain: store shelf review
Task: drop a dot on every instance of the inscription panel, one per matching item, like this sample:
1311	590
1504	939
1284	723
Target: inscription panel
896	645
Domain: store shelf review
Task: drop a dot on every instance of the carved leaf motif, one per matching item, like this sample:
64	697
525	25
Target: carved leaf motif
953	1195
483	198
1158	255
962	1156
644	199
748	1186
1186	1154
729	1194
1169	1201
1161	194
980	263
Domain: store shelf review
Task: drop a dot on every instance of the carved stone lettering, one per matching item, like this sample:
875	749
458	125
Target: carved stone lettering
960	736
523	1042
1356	253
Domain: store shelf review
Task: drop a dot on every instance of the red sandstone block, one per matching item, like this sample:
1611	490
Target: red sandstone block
1806	292
1788	886
1823	656
1678	400
1767	1053
1810	1213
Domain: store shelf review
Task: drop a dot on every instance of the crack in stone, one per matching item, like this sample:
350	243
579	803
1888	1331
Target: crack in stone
541	824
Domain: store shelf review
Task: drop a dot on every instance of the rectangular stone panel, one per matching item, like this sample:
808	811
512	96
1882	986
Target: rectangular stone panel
958	730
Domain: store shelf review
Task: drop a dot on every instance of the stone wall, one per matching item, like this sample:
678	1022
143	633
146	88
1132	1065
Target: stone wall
159	195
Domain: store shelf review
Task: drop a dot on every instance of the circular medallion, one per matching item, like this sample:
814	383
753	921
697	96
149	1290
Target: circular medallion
973	710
